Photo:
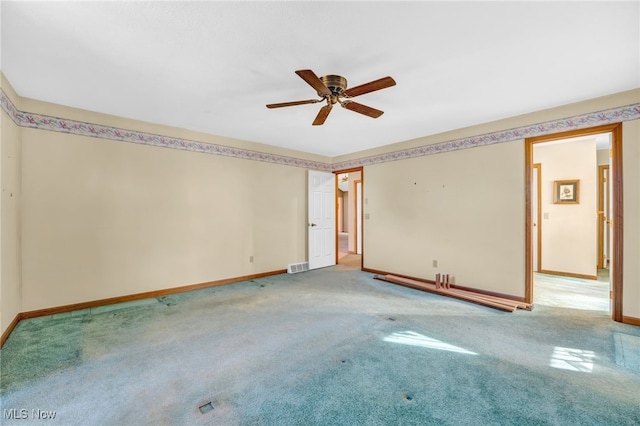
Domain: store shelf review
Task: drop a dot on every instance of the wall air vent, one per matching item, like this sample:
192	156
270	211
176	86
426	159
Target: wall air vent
294	268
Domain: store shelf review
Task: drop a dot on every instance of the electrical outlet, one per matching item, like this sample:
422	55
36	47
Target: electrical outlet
250	259
435	263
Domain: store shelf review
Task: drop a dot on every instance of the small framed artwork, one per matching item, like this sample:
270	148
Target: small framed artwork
566	191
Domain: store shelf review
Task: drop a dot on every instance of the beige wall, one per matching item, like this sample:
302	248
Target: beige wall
104	219
420	213
10	289
603	157
569	231
464	209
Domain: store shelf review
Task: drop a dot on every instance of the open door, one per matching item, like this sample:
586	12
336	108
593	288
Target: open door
322	219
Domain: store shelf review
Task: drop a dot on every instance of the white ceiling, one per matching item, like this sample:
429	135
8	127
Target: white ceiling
212	66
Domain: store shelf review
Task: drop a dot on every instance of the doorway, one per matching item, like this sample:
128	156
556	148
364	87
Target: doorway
535	225
349	215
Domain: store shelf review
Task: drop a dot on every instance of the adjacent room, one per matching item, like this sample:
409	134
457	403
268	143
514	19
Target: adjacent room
320	213
564	272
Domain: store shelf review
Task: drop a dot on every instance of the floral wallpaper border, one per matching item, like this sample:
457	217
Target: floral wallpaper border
45	122
599	118
55	124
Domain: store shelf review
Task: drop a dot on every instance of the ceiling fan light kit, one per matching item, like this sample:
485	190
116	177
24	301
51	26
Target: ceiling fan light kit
332	89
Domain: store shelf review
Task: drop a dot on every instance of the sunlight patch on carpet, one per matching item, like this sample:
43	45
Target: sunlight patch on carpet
572	359
415	339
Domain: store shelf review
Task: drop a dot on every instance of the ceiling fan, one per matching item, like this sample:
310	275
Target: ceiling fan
333	89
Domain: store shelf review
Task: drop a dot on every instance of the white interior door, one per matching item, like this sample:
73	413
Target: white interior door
322	219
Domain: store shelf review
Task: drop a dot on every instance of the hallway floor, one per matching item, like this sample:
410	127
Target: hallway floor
575	293
343	244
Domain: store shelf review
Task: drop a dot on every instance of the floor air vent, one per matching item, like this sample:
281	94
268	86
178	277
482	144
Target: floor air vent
294	268
204	409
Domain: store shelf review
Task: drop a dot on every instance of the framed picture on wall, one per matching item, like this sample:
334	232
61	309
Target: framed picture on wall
566	191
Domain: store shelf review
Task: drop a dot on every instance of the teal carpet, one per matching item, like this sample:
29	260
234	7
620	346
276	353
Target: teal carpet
627	351
326	347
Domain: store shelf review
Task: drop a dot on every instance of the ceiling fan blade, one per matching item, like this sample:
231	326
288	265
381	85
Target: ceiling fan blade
362	109
312	80
322	115
372	86
287	104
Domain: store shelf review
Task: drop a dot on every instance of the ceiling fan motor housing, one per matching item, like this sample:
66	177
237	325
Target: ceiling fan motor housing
335	83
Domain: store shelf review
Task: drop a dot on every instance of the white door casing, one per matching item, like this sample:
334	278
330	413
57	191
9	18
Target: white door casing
322	219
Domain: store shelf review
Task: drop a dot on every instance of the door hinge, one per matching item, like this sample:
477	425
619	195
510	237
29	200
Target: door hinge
611	294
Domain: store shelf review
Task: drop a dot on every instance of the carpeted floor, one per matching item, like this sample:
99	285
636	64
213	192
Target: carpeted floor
325	347
343	244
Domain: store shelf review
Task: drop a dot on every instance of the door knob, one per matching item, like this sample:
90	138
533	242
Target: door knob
312	224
